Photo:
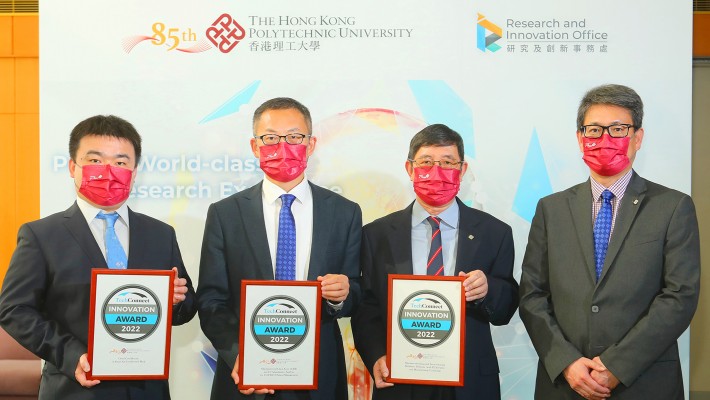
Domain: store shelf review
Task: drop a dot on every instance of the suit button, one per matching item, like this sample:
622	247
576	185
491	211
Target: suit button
595	309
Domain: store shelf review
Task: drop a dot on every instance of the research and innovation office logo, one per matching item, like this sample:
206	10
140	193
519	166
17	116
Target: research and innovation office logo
487	34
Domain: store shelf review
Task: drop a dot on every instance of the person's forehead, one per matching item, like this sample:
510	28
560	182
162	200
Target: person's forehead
599	113
105	144
447	150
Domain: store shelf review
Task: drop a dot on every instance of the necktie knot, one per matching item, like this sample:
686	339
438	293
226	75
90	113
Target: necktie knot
607	195
109	218
435	222
287	200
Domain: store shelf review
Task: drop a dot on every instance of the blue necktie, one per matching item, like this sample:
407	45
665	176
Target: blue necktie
435	265
115	255
602	229
286	245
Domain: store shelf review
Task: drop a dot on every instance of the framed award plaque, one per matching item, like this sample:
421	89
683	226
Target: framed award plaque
426	329
279	334
130	322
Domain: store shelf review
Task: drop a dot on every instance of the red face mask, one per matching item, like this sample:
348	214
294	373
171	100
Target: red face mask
283	162
105	185
606	156
436	186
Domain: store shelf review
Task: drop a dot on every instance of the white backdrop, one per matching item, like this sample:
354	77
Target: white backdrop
372	73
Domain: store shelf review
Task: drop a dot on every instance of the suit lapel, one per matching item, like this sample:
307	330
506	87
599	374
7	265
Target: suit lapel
580	204
400	241
251	209
323	217
76	225
468	240
630	205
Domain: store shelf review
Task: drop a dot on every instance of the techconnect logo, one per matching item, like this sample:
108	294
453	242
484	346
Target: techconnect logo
487	42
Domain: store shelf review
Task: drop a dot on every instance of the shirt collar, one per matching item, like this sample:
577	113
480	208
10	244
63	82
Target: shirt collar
89	211
618	188
450	216
272	192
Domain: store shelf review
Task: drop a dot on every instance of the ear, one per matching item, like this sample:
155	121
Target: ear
254	147
464	168
410	169
580	141
311	145
638	136
72	167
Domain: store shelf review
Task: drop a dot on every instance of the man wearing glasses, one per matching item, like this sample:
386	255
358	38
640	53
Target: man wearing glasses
251	234
440	236
611	271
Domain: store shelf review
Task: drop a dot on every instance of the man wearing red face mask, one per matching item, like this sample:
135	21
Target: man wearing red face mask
438	235
247	236
611	271
44	303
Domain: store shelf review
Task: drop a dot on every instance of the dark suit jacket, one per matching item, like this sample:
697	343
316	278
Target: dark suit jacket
387	249
235	247
44	303
644	300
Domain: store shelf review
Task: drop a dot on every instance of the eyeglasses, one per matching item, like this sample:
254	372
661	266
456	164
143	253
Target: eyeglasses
427	163
615	131
291	138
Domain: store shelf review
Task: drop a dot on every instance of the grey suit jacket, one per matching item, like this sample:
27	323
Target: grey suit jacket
644	300
44	303
235	247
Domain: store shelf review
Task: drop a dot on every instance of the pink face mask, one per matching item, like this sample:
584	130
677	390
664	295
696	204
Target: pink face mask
436	186
105	185
283	162
606	156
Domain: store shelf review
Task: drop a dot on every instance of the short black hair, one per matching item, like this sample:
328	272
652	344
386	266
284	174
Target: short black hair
105	125
435	135
615	95
283	103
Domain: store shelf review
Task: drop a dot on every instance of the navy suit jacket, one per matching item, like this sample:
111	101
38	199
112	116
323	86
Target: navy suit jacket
235	247
44	303
484	243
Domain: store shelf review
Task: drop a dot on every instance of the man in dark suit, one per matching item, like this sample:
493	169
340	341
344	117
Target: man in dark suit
473	244
611	271
44	304
242	240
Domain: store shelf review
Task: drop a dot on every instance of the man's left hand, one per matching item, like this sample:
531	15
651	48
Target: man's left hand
604	378
475	284
179	288
334	287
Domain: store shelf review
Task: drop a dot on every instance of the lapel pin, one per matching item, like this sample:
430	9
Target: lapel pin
636	201
470	237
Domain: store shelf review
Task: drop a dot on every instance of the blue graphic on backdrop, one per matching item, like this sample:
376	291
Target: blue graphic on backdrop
232	105
534	181
440	104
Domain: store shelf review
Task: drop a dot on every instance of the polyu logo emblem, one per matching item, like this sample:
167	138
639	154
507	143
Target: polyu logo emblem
94	177
487	42
225	33
424	176
591	144
272	155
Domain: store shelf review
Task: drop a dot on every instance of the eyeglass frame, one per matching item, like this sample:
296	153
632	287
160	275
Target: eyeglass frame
303	136
460	163
606	128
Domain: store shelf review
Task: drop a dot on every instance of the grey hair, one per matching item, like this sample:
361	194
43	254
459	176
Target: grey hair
616	95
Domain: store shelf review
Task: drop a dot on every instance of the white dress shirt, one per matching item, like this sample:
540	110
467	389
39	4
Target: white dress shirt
98	226
302	209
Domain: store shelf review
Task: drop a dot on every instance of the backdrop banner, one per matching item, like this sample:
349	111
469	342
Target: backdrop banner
508	76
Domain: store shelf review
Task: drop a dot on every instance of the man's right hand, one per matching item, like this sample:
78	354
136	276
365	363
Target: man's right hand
579	378
82	367
235	377
380	373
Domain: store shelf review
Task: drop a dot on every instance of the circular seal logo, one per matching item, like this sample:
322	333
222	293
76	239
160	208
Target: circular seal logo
426	319
131	313
279	324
